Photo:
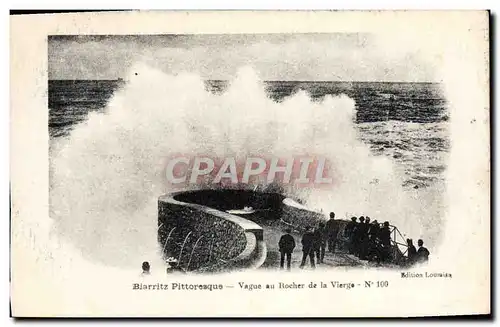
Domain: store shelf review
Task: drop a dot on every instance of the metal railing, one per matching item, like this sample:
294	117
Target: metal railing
398	241
396	236
399	245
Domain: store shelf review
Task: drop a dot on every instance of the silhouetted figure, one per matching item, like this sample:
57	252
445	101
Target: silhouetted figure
350	232
374	229
349	227
359	234
308	247
373	250
367	223
412	252
286	246
365	239
145	268
363	228
332	231
422	253
385	241
320	239
385	234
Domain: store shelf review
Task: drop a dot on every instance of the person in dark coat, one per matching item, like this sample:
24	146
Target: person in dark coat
422	253
350	232
286	245
367	225
332	231
374	229
308	247
358	237
373	252
385	241
365	239
320	238
385	234
362	237
412	252
349	227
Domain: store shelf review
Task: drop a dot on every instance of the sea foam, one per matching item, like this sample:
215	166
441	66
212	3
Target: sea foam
106	176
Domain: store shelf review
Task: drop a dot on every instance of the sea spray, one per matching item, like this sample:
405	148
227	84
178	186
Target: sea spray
107	174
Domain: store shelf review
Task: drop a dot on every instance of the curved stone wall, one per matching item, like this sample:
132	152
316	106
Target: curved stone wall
195	226
206	239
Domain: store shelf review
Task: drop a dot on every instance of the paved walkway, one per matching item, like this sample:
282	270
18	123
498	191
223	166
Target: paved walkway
272	236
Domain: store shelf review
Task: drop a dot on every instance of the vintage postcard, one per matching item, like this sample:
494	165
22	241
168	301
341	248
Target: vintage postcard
250	164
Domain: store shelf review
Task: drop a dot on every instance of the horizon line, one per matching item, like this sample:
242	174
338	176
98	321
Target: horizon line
228	80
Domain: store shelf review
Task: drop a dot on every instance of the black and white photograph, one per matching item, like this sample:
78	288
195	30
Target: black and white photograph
122	108
267	162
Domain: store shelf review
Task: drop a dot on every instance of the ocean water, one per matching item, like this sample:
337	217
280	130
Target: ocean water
387	143
406	122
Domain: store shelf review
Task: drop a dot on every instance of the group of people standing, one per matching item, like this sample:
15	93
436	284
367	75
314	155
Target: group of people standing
414	255
315	242
372	241
369	240
365	239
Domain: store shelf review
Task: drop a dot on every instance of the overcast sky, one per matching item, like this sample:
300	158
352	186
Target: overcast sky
325	57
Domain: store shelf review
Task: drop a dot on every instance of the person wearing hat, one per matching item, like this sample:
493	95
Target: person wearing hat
286	245
145	269
385	234
412	252
350	232
422	253
358	237
374	229
308	247
363	228
363	241
331	232
320	239
385	240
